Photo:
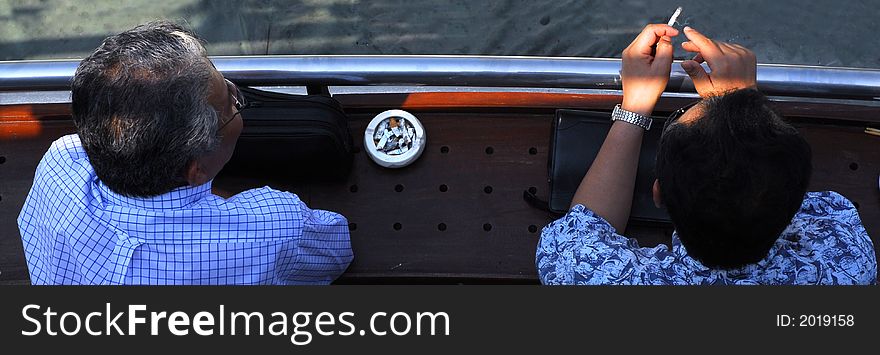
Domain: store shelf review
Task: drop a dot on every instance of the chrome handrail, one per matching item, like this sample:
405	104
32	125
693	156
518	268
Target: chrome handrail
461	71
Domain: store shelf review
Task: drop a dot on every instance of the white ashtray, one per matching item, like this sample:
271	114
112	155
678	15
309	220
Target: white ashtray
394	139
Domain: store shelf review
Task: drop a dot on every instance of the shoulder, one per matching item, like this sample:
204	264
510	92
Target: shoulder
269	200
824	203
578	227
65	164
828	214
580	220
63	151
265	194
583	248
61	183
266	199
829	226
830	210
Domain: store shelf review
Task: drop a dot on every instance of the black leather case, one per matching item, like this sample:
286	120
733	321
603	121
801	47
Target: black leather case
574	144
305	137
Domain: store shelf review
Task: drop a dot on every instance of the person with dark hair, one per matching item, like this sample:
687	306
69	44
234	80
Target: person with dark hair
732	174
127	200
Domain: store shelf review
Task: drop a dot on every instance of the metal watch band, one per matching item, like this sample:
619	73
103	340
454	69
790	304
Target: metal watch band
620	114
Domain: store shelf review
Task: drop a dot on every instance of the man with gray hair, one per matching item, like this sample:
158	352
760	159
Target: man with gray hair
127	200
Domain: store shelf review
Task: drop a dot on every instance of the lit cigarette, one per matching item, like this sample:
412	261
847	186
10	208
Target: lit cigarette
674	16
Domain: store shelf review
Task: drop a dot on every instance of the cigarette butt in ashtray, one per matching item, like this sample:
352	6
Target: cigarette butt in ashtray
394	139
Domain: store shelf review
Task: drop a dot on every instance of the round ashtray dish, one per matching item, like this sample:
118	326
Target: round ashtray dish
394	139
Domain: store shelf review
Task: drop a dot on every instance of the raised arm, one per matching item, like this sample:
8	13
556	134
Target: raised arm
608	186
732	66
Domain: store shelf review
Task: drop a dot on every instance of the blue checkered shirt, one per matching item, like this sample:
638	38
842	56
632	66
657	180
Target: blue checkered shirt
75	230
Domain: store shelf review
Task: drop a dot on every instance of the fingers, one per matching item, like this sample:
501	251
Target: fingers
664	51
690	47
744	52
644	43
698	75
732	48
724	46
702	44
699	58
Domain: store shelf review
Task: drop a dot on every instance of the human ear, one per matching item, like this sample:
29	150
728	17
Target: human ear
655	193
195	173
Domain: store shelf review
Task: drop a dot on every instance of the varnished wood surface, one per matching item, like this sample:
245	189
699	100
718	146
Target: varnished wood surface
452	101
20	155
446	101
845	160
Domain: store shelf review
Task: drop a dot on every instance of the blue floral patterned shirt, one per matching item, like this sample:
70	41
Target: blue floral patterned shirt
826	244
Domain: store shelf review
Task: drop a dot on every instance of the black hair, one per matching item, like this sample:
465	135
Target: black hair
732	179
140	105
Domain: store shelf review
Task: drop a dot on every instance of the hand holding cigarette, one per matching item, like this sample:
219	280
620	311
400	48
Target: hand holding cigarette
732	66
645	69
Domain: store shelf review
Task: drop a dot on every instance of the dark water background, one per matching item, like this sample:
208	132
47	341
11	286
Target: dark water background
830	33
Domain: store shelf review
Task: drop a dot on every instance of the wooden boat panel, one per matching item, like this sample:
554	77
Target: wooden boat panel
22	145
446	101
419	250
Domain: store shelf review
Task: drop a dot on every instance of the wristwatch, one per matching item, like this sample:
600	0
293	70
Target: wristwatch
630	117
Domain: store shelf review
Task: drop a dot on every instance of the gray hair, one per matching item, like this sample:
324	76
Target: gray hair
140	105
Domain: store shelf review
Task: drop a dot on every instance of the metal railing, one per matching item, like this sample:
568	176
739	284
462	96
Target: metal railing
464	71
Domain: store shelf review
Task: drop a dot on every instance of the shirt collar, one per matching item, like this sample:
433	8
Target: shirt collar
178	198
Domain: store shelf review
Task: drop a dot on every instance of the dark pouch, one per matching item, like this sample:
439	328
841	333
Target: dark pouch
574	143
303	137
